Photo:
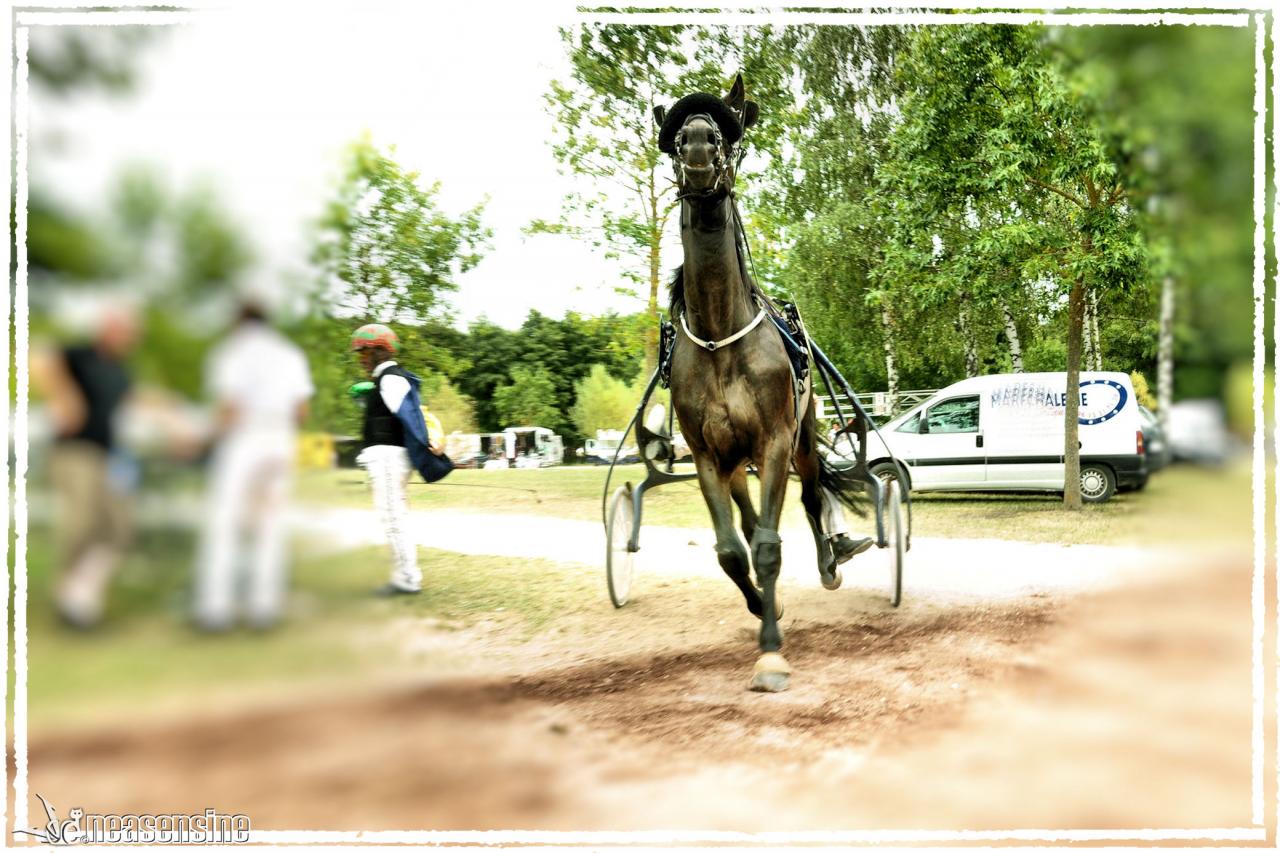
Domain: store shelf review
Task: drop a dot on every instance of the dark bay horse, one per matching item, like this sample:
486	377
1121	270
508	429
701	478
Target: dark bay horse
732	382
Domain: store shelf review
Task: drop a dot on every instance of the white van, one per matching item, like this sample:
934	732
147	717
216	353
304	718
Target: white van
1005	433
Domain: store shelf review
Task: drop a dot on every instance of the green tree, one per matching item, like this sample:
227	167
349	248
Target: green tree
327	342
386	251
68	60
1185	95
603	402
605	134
493	351
62	242
179	252
989	120
824	232
455	410
528	400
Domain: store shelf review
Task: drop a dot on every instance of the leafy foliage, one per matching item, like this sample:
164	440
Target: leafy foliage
386	250
605	134
603	402
455	410
69	60
528	399
1142	391
995	133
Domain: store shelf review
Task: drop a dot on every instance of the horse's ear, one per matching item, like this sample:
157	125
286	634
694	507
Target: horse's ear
659	115
750	112
736	95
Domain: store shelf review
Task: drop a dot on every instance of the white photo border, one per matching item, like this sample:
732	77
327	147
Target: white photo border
15	32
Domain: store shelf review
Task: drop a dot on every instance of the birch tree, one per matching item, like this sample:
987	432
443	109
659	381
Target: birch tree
1015	340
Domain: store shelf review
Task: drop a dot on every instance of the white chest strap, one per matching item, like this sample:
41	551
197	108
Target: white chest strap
712	346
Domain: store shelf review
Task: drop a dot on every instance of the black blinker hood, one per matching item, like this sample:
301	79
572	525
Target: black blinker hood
696	104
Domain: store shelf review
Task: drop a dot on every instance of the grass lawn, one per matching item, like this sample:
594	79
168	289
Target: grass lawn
147	657
1181	504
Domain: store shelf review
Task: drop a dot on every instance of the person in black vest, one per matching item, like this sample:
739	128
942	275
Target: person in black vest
84	386
396	443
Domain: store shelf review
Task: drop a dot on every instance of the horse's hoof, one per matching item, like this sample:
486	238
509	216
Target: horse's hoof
833	580
772	674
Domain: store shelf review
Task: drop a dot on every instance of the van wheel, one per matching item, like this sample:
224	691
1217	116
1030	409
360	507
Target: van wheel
1097	483
887	471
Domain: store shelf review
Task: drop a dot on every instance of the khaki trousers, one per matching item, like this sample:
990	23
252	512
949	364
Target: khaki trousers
92	527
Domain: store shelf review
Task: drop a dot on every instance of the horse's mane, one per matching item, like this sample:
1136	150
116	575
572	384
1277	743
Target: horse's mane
677	291
676	287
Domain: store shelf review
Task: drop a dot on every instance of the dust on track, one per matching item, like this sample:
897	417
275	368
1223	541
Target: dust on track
1123	708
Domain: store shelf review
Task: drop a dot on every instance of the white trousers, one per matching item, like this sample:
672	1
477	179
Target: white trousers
245	526
389	469
833	523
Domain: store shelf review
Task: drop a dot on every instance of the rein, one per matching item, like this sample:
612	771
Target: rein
726	165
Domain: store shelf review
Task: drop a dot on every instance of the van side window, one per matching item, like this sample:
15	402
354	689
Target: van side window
912	424
956	415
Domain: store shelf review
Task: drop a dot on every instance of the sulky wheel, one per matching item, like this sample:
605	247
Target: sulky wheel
619	559
896	534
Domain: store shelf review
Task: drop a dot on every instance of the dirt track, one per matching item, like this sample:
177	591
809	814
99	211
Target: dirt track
1123	708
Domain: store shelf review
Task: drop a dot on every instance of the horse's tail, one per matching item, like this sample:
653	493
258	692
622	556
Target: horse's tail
841	481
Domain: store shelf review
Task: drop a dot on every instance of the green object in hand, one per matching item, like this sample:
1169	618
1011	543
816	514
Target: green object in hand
360	389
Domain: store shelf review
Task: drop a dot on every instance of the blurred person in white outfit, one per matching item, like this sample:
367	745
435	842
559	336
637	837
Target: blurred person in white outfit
260	384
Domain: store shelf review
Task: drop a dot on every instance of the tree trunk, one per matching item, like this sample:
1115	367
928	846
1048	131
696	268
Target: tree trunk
1164	356
651	328
1094	334
1071	446
890	359
1015	342
655	272
1087	354
967	339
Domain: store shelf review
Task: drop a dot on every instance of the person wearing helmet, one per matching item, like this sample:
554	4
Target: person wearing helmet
395	443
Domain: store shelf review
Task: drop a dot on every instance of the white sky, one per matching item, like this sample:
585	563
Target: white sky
262	104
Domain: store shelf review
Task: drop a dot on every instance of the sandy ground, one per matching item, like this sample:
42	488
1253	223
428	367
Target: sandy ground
1020	686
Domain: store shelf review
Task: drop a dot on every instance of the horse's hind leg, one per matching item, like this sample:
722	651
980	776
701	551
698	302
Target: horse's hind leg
730	551
742	497
806	462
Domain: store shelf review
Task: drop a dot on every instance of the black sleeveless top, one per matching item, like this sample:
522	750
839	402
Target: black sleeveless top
381	426
104	382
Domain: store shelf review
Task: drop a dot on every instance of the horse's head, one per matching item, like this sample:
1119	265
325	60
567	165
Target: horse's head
701	132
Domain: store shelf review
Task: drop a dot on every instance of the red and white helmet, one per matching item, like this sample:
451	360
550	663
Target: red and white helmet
375	336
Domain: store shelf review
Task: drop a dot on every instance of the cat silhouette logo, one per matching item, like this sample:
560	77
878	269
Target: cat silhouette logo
55	831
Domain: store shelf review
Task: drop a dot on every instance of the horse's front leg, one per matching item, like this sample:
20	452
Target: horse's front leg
730	551
772	674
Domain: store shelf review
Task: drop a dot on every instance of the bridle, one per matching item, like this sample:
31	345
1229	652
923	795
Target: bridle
726	160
